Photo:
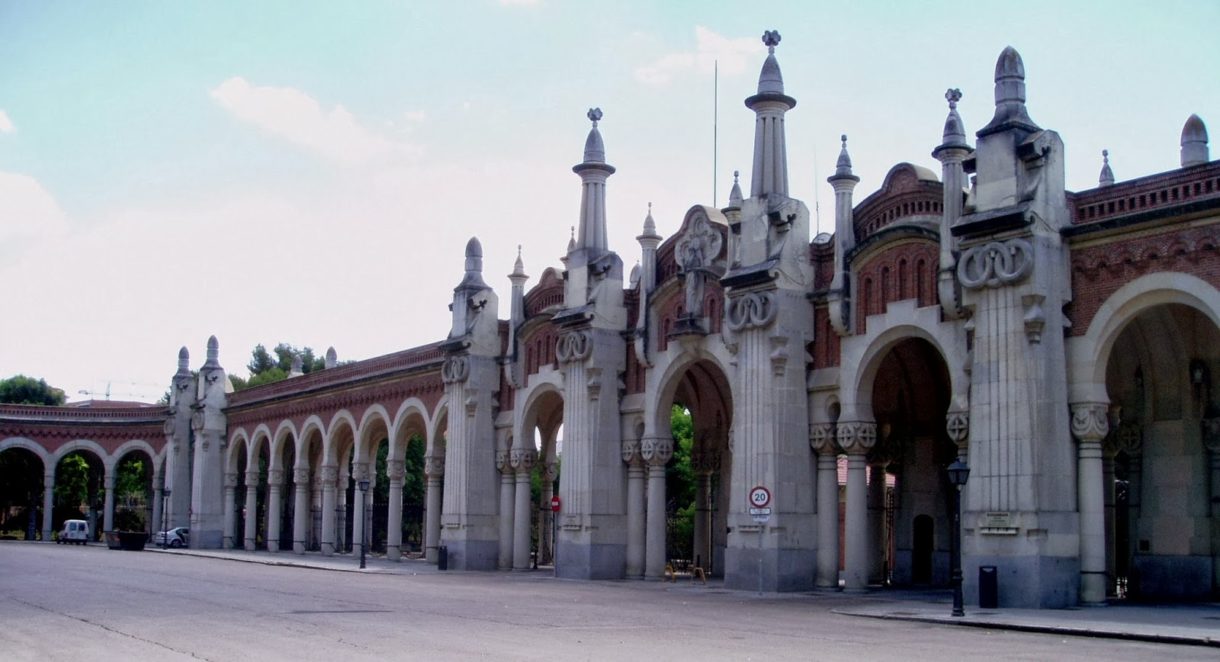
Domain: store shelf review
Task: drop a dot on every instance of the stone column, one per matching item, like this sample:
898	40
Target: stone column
876	523
508	482
230	510
301	514
635	508
1090	424
522	461
275	492
48	504
251	532
158	497
341	512
360	471
856	438
1211	441
1108	493
395	470
822	439
704	463
329	474
656	452
544	512
108	513
434	469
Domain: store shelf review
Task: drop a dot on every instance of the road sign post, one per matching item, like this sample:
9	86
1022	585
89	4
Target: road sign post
759	500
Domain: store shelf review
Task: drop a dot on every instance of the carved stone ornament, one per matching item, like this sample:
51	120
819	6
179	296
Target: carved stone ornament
251	480
329	475
822	438
573	346
300	477
275	477
502	464
231	479
434	465
696	252
856	437
395	469
657	451
995	264
1034	317
197	420
522	459
957	424
594	382
168	427
455	369
1090	421
750	310
631	452
1129	438
779	355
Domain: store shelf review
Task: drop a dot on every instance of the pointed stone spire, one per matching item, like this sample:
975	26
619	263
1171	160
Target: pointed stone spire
770	146
955	131
518	267
735	193
332	358
1106	178
650	226
649	240
298	367
1010	109
474	266
213	360
184	363
572	240
593	174
843	165
1194	142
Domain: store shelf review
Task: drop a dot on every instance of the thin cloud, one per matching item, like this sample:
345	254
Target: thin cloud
293	115
733	54
520	3
29	210
6	124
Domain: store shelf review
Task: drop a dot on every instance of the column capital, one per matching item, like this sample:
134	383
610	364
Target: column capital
957	424
300	476
230	479
434	465
657	451
275	477
251	479
856	437
395	469
330	473
822	439
631	453
522	459
1090	421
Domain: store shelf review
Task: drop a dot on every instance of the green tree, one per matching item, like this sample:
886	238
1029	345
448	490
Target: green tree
267	367
22	390
71	484
680	486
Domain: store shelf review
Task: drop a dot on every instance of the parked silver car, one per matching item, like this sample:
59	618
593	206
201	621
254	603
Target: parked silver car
179	536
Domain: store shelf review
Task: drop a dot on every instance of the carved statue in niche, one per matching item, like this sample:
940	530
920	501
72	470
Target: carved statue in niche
696	255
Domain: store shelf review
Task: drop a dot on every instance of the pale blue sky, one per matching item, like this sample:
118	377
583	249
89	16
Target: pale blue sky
310	171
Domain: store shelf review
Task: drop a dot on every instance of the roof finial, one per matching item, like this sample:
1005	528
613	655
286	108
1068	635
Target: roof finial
1107	175
519	265
953	95
572	240
474	265
1194	142
735	192
771	39
594	115
843	165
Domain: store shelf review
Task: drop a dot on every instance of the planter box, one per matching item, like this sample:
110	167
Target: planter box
128	540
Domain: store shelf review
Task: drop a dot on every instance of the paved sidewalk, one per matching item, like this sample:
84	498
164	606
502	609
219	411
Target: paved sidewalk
1190	624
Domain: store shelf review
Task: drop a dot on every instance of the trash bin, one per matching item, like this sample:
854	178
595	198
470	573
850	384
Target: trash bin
442	558
989	590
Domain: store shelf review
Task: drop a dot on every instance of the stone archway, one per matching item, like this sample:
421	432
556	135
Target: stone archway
689	480
907	495
533	459
1161	456
23	465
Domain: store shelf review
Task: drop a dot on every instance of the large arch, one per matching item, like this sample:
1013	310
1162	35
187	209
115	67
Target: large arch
531	452
686	524
33	471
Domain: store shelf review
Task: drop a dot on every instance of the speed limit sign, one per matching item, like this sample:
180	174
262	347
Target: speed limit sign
760	497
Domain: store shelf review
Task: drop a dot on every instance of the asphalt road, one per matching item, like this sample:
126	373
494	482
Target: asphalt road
74	603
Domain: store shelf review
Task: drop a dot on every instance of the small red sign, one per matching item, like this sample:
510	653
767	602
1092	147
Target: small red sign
555	504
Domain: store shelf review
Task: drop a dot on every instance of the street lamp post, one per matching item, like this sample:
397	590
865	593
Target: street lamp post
958	472
364	534
165	518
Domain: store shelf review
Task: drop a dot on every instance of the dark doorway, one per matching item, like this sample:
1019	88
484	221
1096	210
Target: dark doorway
921	553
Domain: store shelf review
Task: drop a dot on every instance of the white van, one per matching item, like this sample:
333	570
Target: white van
74	531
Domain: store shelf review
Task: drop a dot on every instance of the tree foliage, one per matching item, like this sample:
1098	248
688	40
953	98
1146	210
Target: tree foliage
266	367
680	484
22	390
